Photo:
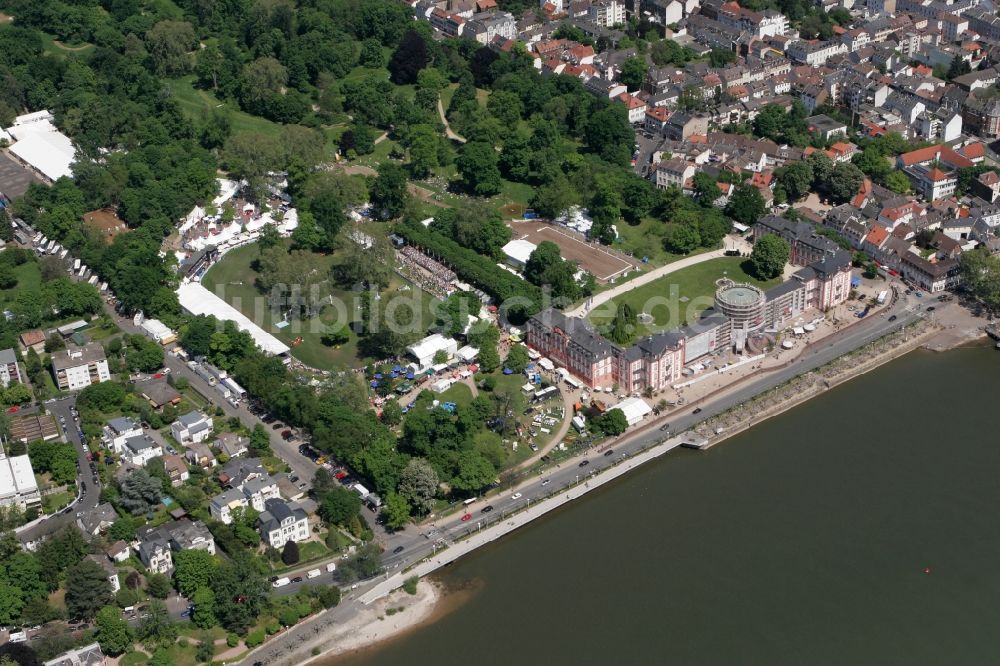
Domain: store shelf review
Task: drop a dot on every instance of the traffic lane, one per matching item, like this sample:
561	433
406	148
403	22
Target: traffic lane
62	407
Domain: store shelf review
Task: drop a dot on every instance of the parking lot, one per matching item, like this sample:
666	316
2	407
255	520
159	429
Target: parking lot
14	178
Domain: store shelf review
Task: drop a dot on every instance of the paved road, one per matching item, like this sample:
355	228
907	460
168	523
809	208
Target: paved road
62	407
730	242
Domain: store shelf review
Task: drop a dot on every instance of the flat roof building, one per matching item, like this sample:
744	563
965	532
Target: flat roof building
17	482
78	368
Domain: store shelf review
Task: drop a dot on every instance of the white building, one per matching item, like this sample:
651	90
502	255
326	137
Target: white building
281	522
156	330
109	569
192	427
674	172
425	350
138	451
41	146
607	13
17	482
118	431
250	486
518	252
78	368
634	409
10	368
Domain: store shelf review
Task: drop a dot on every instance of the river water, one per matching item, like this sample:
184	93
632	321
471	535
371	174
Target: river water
859	528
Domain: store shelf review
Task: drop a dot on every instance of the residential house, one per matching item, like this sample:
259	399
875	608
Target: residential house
673	172
33	339
826	126
187	535
194	426
806	244
932	276
607	13
201	455
987	186
635	107
176	469
487	26
118	430
153	548
248	485
96	520
656	119
80	367
281	522
10	368
159	393
231	445
680	126
138	451
118	552
109	569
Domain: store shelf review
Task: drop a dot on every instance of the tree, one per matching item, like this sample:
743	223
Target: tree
424	150
822	167
489	357
328	211
290	553
392	413
746	205
706	189
139	492
169	43
419	484
269	237
517	359
554	198
478	165
338	506
845	180
796	179
681	238
980	273
371	54
409	58
360	138
193	569
624	325
203	615
958	67
240	592
87	590
11	603
769	256
158	585
612	422
541	259
396	511
719	57
609	134
155	626
388	192
113	632
633	73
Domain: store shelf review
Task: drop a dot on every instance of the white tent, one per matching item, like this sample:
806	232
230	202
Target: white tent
518	252
197	300
634	409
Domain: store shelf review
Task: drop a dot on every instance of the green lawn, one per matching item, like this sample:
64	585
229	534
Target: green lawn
679	297
195	103
29	278
235	273
646	240
459	393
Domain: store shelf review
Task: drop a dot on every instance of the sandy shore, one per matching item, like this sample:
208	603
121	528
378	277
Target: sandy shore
374	624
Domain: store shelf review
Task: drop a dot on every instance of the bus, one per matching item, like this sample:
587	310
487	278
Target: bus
572	383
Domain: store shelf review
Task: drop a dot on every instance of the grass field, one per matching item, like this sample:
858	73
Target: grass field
235	273
678	298
196	103
29	278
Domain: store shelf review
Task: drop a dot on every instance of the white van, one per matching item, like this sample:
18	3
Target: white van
315	573
18	637
332	566
281	582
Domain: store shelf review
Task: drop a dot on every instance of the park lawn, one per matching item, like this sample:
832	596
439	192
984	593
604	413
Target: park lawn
56	501
29	278
645	240
133	659
458	393
195	103
681	296
237	276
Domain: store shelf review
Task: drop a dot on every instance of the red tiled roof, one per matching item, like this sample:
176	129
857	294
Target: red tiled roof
877	235
973	151
943	153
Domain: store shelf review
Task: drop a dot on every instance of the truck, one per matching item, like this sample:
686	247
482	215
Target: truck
238	391
361	490
314	573
331	566
76	264
224	390
281	582
205	374
882	295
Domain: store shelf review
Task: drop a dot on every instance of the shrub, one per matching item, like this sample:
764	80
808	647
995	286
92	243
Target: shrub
255	638
232	640
330	596
410	585
272	627
288	616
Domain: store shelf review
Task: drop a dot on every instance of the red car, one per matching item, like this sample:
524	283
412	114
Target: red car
11	410
340	475
158	376
466	517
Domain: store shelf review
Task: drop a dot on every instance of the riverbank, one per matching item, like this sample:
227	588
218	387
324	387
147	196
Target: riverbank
386	619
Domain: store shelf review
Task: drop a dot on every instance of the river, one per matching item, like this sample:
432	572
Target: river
859	528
